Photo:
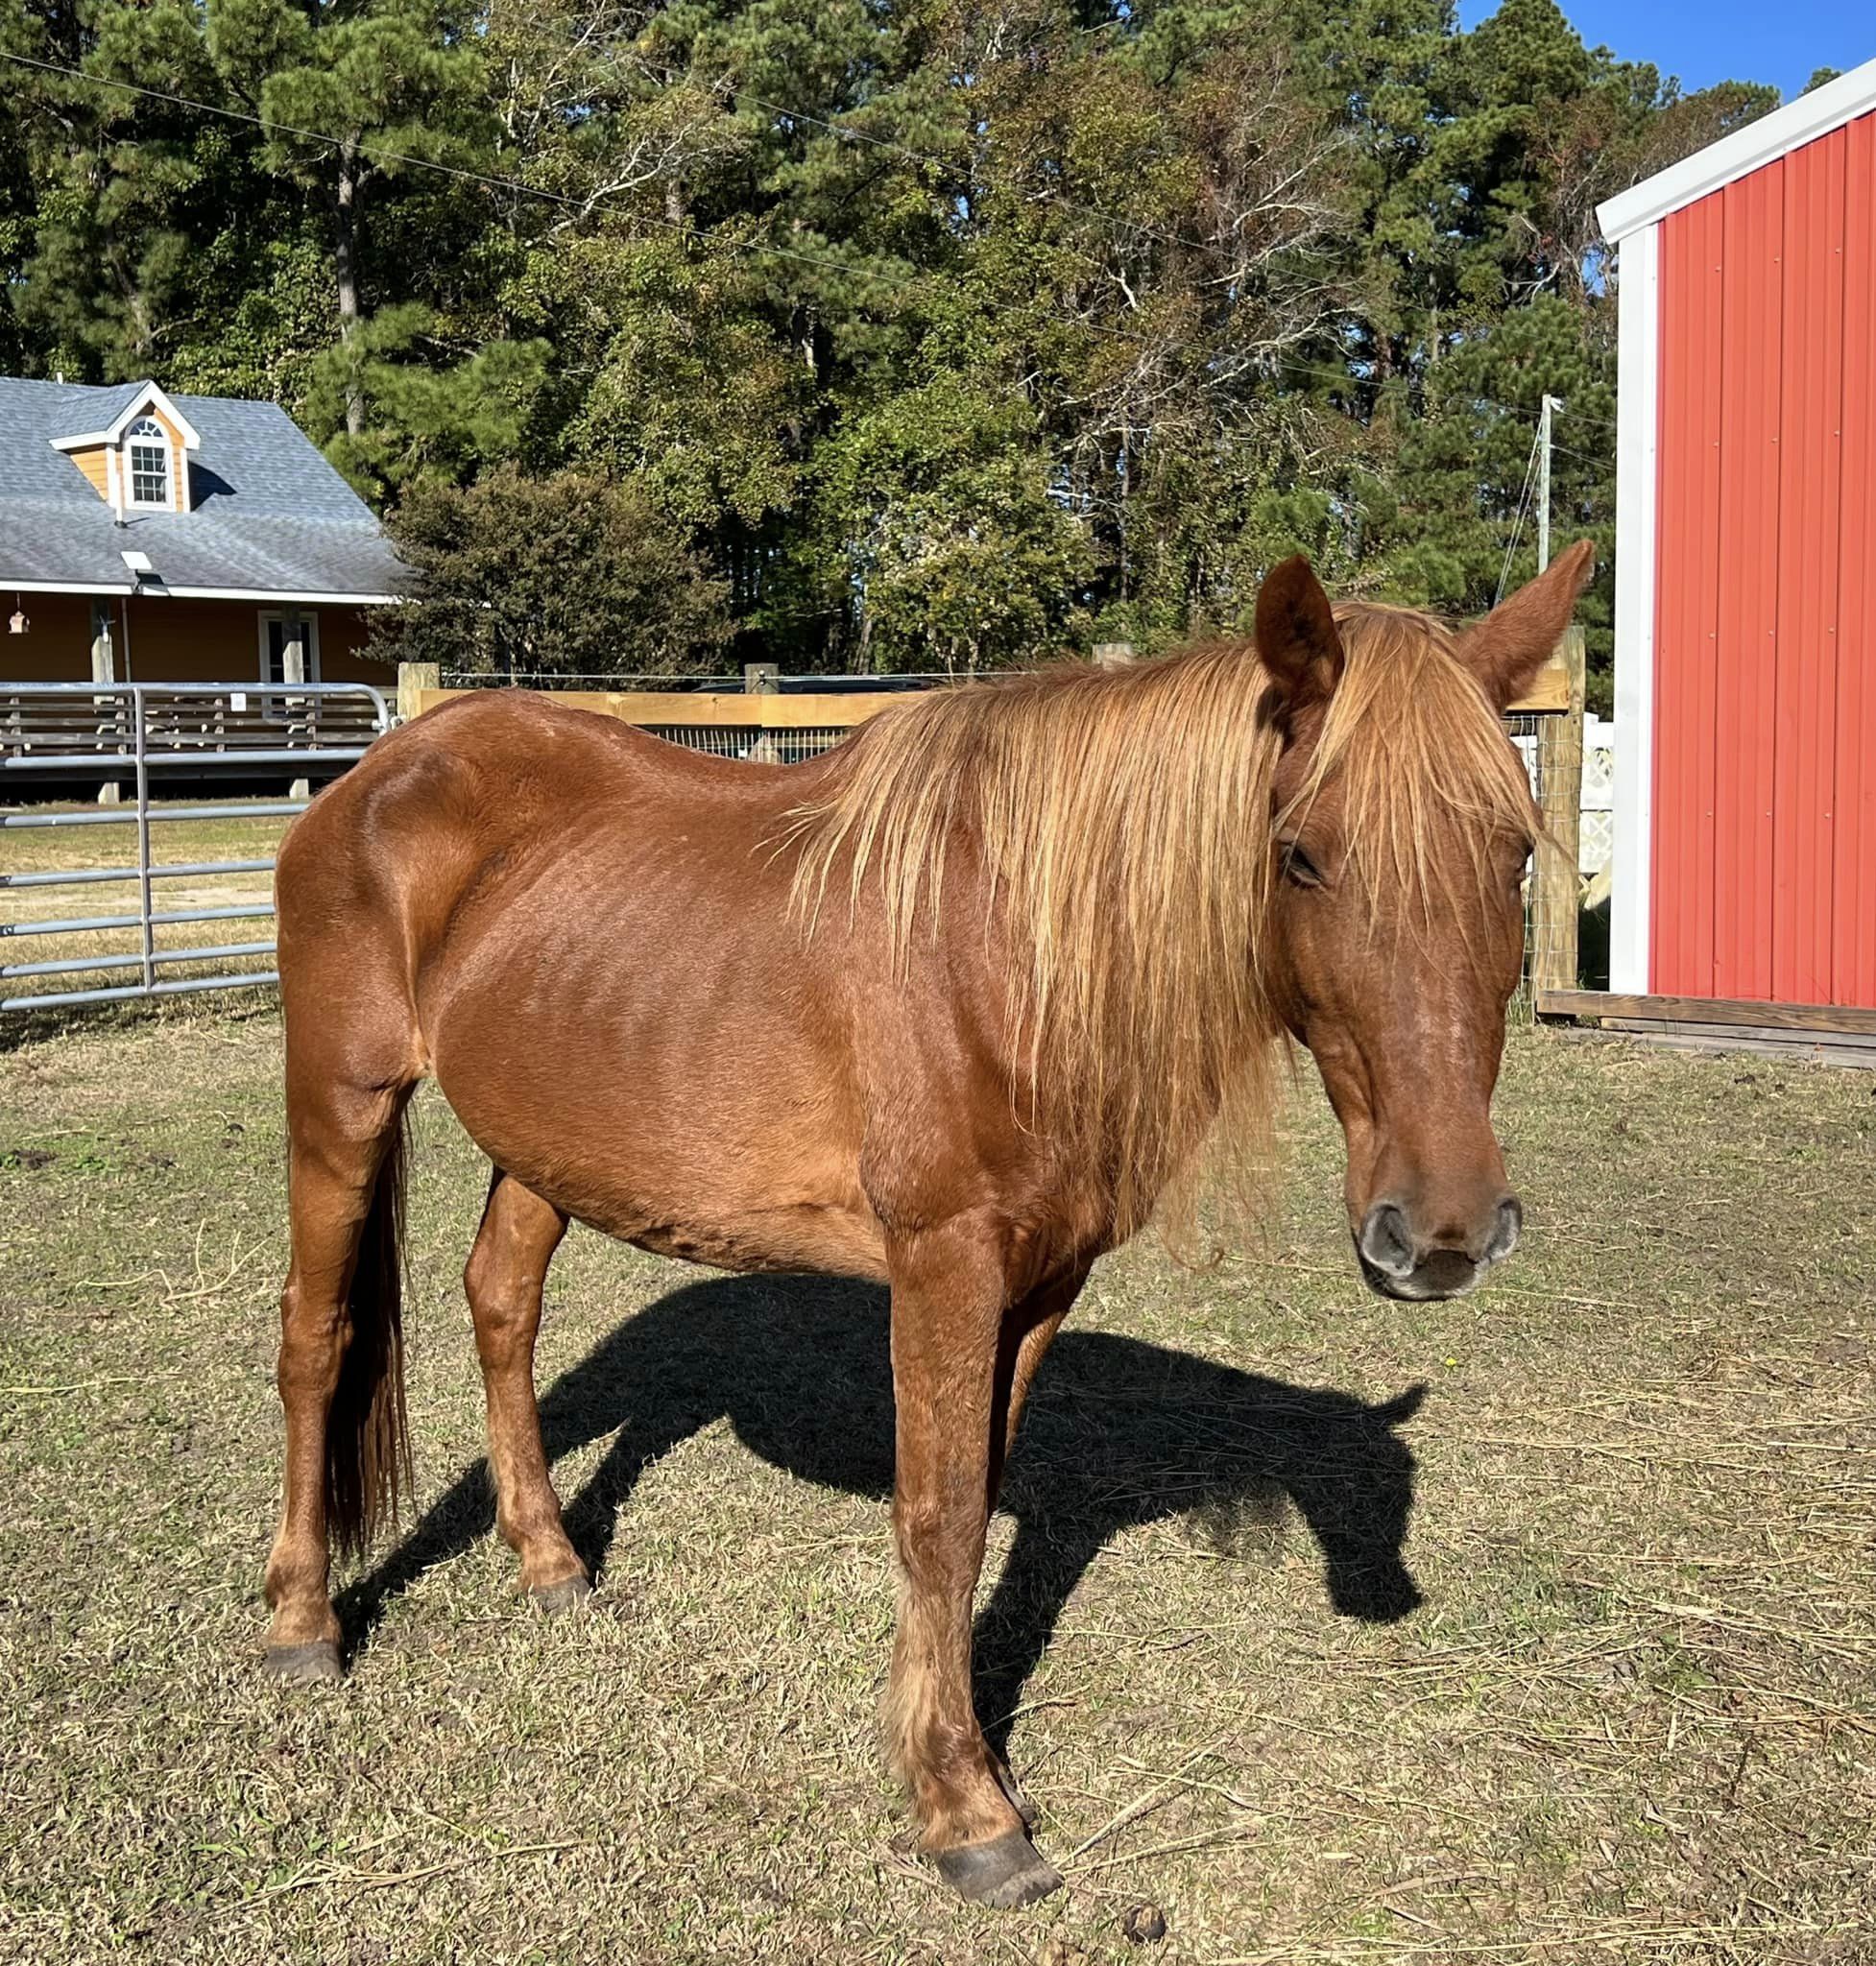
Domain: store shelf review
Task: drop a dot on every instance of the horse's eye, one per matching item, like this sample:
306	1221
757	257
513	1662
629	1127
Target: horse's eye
1299	870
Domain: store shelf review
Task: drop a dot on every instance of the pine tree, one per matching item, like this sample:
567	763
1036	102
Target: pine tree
350	97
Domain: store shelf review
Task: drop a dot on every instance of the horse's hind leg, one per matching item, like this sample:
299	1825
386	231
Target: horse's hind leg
1029	1329
506	1273
342	1179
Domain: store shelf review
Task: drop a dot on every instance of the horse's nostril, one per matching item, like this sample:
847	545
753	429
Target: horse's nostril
1504	1236
1387	1241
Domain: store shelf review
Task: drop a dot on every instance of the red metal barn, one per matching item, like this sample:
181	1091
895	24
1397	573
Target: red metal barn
1746	599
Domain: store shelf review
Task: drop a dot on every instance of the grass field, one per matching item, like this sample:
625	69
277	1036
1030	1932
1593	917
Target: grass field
1538	1627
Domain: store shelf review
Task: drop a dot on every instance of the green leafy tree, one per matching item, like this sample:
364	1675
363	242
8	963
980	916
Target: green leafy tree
1460	528
957	554
930	334
128	194
564	574
418	417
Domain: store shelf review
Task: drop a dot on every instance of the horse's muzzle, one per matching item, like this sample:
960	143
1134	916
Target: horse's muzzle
1396	1262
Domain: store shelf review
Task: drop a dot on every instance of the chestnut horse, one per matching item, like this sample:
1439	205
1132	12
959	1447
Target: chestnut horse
1014	954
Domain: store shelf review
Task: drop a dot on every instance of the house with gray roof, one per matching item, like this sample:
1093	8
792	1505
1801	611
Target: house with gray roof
155	539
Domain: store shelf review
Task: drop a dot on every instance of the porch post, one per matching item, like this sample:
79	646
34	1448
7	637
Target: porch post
293	669
104	674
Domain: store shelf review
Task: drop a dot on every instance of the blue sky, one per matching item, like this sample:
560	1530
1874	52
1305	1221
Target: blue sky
1702	42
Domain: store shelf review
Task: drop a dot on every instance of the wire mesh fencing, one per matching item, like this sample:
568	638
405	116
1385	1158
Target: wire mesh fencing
792	745
1572	852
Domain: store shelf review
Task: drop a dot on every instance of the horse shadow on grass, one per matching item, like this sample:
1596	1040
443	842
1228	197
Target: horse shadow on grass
1117	1434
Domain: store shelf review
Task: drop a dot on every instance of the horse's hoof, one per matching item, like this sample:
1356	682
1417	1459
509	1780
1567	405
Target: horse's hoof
1003	1873
568	1594
314	1664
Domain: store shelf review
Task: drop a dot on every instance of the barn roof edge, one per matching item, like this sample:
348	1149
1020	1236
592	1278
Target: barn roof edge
1801	121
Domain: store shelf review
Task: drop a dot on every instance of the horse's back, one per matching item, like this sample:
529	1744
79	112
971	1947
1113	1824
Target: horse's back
478	786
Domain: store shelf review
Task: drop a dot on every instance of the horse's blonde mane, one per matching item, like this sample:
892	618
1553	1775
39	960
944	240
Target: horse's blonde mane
1125	821
1420	760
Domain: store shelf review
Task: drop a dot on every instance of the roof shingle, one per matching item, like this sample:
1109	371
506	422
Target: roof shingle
270	516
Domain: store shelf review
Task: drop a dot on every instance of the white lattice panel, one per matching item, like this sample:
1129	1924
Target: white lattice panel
1596	821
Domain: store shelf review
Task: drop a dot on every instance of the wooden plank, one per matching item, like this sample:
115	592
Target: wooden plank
417	682
1549	695
763	712
713	711
1759	1041
1557	893
1740	1012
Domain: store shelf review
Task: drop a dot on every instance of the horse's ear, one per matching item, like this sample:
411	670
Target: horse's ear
1507	648
1296	637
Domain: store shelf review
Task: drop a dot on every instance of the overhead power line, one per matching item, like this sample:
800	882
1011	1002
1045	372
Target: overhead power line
1518	522
384	153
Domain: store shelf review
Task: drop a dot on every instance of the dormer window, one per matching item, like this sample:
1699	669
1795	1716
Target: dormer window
139	461
146	449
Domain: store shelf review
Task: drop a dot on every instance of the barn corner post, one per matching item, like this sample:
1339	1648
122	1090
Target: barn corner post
1556	887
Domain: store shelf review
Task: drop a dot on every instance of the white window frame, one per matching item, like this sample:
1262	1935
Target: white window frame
146	434
309	626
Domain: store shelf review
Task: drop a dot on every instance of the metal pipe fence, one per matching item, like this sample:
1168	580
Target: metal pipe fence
789	745
139	731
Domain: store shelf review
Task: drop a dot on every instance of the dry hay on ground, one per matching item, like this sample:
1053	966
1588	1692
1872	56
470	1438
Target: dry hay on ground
1632	1715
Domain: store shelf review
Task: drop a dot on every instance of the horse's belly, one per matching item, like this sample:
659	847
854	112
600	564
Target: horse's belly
642	1106
698	1215
803	1237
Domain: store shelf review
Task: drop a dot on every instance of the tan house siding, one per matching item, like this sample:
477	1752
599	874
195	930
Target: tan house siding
56	646
95	466
175	641
179	458
342	633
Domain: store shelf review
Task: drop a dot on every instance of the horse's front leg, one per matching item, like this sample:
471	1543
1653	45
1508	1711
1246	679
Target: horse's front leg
949	1296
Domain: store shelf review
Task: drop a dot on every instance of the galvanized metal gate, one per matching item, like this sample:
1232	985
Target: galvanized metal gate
139	731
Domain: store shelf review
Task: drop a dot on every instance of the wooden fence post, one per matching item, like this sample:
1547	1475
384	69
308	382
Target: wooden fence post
412	679
762	679
1557	894
300	712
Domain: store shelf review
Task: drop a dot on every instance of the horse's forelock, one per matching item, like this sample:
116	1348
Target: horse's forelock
1428	784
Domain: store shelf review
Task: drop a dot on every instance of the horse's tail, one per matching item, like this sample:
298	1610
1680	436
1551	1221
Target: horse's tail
368	1462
